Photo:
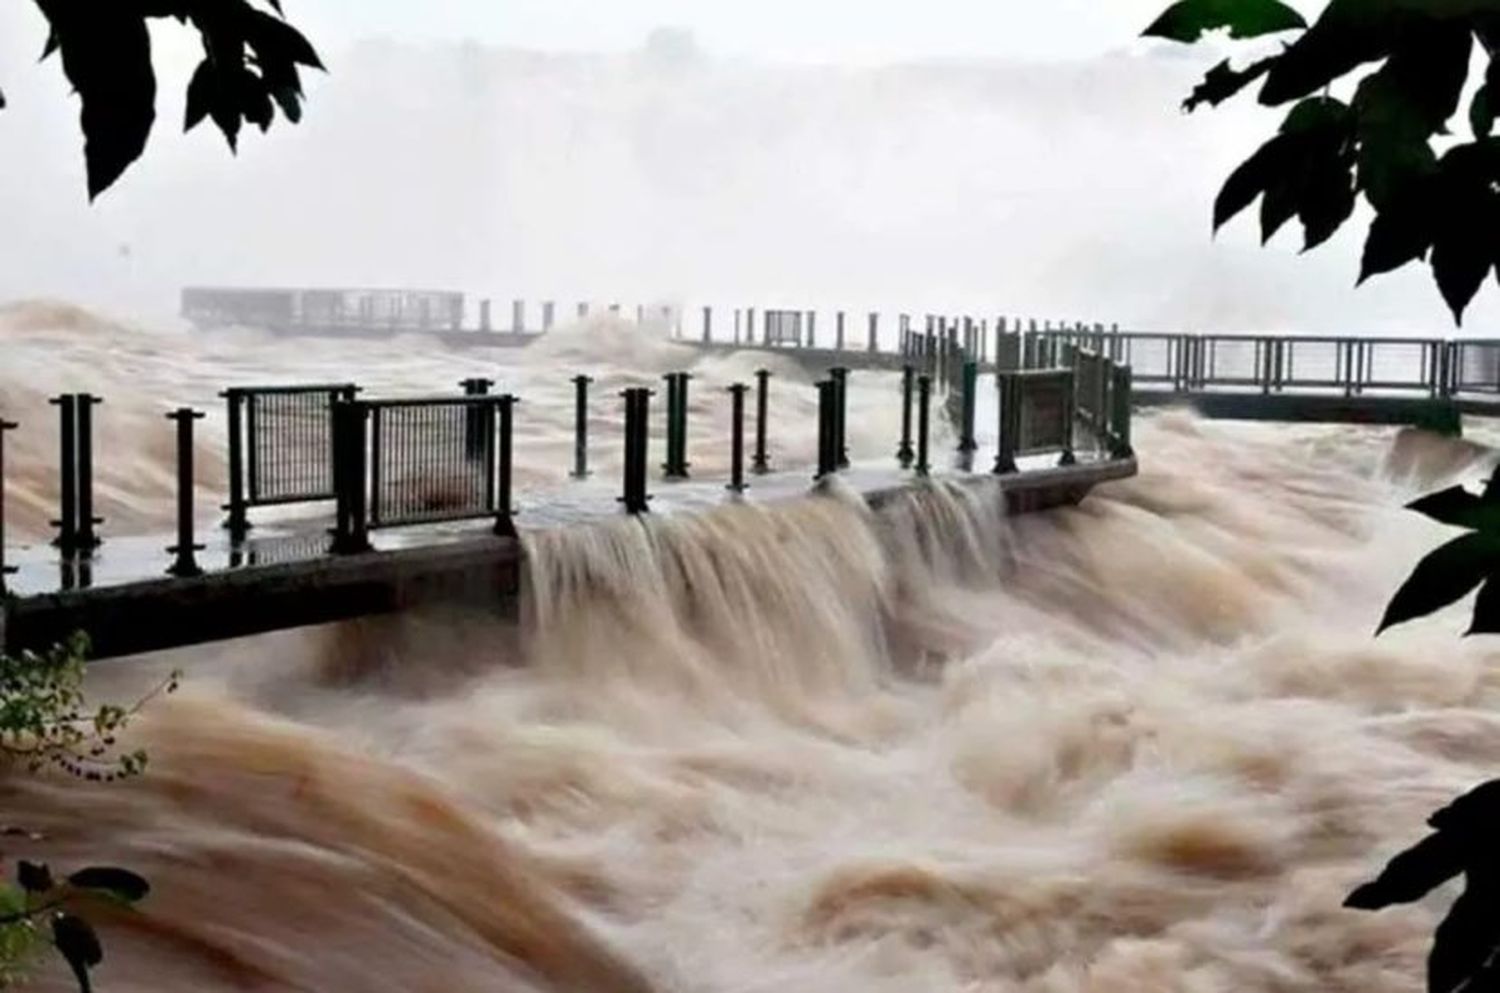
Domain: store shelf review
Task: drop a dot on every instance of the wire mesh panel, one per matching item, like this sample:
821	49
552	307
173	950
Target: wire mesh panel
1476	367
432	460
1036	413
1089	371
290	437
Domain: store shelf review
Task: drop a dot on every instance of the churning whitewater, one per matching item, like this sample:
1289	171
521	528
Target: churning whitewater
1142	745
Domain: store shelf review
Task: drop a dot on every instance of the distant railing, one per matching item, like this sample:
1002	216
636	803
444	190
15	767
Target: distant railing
1277	364
293	309
280	446
784	327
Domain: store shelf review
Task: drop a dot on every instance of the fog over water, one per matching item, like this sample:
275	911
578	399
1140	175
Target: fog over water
1065	187
1144	745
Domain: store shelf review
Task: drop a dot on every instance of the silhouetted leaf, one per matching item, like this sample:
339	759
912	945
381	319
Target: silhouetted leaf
1189	20
1348	34
1249	181
255	101
1223	82
1474	814
1458	507
1398	235
201	94
1394	126
1461	259
106	54
2	99
79	945
1486	618
1278	206
1428	67
276	40
1466	214
34	877
289	98
120	883
1481	113
1444	577
1413	874
1464	941
1327	201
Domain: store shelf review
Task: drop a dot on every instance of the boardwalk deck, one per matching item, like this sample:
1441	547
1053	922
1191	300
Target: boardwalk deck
283	577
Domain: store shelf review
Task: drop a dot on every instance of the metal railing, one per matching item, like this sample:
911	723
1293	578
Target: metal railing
1473	366
280	446
421	460
1036	416
783	327
1279	364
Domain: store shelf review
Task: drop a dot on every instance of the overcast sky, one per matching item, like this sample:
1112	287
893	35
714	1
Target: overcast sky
1070	188
821	30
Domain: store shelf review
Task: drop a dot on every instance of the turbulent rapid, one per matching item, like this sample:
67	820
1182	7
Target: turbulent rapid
1142	745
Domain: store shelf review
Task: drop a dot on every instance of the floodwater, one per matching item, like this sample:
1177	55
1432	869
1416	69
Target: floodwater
1143	745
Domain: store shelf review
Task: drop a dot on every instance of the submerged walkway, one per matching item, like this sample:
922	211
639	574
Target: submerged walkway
283	574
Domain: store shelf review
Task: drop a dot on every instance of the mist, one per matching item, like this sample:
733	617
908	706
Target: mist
1067	189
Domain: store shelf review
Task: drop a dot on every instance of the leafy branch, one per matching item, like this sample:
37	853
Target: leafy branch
44	719
36	911
1405	64
45	722
250	69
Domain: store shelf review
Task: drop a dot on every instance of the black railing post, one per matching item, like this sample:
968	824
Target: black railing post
762	414
828	460
737	437
812	329
924	423
840	378
238	522
350	420
5	570
637	449
676	465
668	467
874	343
905	454
838	333
966	441
749	326
505	525
476	434
1120	442
1010	422
67	520
708	325
581	426
186	549
88	539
